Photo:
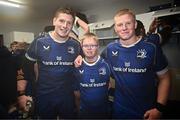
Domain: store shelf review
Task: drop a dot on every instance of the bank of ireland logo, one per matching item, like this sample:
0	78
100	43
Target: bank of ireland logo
102	71
127	64
92	80
59	58
114	53
141	53
71	50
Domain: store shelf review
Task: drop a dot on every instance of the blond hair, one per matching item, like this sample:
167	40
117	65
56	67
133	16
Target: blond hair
90	35
123	12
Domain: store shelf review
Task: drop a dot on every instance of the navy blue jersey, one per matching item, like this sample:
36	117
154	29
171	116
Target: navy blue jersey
94	81
55	62
134	69
153	38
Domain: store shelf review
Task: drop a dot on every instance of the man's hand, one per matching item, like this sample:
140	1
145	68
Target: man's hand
22	101
152	114
153	26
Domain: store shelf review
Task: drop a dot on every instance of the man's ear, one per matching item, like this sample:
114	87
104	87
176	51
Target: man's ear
135	24
54	21
115	29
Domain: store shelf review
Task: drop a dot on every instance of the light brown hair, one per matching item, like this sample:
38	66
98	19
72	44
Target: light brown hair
66	10
90	35
125	11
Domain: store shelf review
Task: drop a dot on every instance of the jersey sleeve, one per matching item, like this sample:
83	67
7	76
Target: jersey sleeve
31	53
154	38
104	54
161	65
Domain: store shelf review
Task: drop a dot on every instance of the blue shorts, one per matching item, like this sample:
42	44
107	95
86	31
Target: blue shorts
50	106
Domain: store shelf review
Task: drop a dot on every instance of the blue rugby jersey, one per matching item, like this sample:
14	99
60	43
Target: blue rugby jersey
134	69
55	62
153	38
94	81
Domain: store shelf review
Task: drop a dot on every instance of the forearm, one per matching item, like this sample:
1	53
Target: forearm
83	25
153	26
164	88
21	85
163	92
77	99
24	75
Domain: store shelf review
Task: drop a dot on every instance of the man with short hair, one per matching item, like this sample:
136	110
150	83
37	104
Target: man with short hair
135	65
54	54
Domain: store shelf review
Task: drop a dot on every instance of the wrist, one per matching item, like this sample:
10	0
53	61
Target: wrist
20	93
160	107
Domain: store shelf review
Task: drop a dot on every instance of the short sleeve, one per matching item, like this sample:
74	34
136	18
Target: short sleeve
31	53
161	65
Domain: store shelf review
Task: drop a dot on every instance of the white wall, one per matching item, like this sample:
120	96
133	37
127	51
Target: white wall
21	26
27	37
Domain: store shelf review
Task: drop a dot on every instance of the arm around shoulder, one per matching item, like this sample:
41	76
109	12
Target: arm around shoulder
82	24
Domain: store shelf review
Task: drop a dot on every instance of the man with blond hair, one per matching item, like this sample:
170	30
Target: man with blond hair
135	65
93	76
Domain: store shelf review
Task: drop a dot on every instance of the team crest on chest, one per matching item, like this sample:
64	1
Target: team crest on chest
102	71
141	53
114	53
71	50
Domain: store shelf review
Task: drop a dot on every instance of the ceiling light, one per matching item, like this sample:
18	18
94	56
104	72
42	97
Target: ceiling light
11	4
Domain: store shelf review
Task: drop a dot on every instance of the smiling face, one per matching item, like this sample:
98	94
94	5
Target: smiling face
90	47
125	24
63	24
